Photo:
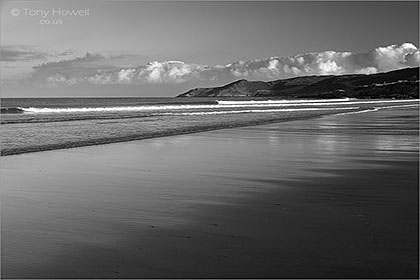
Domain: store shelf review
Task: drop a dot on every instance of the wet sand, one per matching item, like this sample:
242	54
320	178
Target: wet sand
332	197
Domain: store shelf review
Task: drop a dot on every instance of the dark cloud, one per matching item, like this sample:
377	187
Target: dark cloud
21	53
17	53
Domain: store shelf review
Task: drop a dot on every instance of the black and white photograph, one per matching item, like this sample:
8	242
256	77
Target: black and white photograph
149	139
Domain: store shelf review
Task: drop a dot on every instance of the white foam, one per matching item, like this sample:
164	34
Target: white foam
398	106
377	109
250	102
256	111
358	112
209	106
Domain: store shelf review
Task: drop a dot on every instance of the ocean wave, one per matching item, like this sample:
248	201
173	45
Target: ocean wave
257	111
12	110
357	112
233	102
274	103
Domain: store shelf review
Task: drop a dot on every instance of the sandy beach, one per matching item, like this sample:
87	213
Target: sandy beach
329	197
201	139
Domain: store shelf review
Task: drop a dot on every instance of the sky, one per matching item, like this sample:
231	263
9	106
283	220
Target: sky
159	48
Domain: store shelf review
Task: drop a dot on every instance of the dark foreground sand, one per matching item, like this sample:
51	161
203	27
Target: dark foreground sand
334	197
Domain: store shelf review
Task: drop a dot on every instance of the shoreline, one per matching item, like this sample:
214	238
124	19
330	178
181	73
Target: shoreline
192	129
182	131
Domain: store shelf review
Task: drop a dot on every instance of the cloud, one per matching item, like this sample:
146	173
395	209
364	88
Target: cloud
21	53
169	72
16	53
393	57
98	69
412	59
329	63
68	72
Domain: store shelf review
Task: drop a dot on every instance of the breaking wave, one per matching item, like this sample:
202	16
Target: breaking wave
12	110
249	102
258	111
220	105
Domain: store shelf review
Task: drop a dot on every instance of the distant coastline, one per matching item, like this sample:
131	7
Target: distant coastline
398	84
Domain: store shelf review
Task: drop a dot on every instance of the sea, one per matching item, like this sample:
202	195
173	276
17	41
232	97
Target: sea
42	124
